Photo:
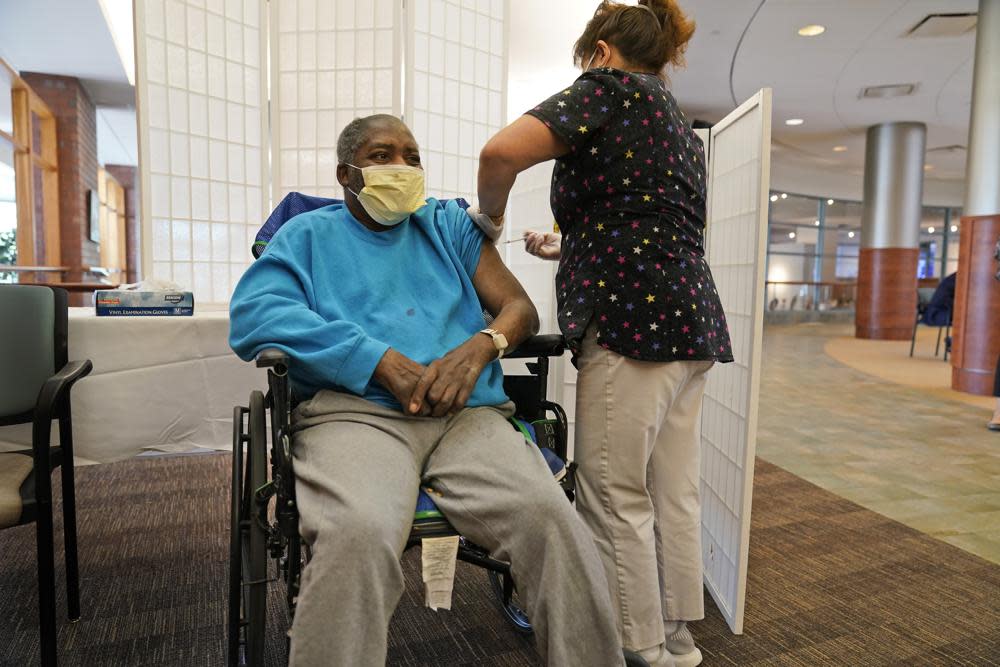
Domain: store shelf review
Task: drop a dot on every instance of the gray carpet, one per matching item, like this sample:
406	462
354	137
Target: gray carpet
830	584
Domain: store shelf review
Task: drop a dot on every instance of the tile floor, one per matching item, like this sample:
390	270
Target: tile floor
905	453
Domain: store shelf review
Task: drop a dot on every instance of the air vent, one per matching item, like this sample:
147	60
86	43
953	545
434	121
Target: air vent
944	25
893	90
954	148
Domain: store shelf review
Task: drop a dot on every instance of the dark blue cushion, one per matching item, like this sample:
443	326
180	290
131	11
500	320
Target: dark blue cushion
292	205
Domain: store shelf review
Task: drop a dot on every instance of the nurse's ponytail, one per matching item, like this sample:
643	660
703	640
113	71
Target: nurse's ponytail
677	30
650	35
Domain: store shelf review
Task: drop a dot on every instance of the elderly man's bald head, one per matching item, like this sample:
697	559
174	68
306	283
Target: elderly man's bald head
354	136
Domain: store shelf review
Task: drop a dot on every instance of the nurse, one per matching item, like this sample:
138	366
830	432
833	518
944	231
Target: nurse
637	305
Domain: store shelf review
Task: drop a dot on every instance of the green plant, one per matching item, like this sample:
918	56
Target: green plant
8	253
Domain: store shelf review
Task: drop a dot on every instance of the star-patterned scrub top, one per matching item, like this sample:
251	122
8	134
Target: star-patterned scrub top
629	199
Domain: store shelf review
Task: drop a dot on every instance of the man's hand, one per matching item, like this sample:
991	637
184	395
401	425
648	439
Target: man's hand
448	382
400	374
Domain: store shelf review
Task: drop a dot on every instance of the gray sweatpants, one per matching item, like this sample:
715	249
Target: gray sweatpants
358	468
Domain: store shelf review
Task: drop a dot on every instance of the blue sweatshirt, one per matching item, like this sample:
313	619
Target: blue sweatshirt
335	296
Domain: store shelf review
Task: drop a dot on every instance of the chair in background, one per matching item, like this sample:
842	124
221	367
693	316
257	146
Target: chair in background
35	384
925	296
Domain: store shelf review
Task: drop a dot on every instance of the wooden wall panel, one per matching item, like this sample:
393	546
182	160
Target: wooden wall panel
887	293
976	336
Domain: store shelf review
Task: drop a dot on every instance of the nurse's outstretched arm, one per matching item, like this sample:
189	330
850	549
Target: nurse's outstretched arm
522	144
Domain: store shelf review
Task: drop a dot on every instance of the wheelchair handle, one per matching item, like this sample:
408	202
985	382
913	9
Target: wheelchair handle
542	345
272	357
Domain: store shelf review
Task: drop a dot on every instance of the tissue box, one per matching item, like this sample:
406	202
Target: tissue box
134	303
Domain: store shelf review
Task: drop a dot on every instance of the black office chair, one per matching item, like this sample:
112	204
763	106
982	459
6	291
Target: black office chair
35	384
924	296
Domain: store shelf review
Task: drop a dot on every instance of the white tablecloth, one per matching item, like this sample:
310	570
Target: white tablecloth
159	383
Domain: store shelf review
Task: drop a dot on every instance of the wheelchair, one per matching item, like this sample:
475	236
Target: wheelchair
265	517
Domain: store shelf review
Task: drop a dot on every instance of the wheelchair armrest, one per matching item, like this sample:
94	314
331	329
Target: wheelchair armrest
542	345
272	357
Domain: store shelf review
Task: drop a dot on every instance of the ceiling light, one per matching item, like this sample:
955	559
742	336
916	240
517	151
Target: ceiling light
930	230
829	202
928	167
784	196
794	121
954	228
774	197
816	223
791	235
850	235
839	149
811	30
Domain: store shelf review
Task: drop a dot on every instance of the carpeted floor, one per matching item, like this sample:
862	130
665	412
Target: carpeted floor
830	584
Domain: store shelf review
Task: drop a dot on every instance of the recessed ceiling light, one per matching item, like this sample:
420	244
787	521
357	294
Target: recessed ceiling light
816	223
791	235
774	197
930	230
839	149
784	196
954	228
794	121
811	30
829	202
850	235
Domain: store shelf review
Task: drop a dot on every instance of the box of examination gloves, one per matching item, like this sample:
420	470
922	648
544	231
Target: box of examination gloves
144	299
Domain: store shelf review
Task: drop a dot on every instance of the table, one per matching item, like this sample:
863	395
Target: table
159	383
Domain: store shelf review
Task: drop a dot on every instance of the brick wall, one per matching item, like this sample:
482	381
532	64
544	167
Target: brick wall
128	177
76	133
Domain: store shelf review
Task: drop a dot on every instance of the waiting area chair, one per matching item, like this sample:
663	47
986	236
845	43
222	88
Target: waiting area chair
924	297
35	384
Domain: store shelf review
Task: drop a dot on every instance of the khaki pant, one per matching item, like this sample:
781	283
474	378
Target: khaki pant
638	443
358	467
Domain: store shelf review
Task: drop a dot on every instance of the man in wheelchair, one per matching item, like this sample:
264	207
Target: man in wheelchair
378	304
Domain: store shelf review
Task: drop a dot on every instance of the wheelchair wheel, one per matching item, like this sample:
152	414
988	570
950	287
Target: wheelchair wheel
248	549
503	589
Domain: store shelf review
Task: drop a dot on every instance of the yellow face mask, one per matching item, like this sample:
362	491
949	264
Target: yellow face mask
392	192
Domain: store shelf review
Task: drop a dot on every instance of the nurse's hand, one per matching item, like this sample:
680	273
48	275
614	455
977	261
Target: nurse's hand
546	245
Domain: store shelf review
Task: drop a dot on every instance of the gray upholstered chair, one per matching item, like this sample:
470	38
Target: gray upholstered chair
35	383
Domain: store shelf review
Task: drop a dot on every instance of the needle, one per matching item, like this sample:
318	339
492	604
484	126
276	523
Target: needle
513	241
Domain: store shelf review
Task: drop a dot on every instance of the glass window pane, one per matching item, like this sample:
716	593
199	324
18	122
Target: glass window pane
6	103
8	210
931	243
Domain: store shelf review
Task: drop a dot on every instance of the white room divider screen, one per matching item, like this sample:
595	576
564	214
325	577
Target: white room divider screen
331	61
201	100
456	83
738	179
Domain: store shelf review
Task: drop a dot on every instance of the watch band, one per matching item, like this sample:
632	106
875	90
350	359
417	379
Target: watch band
499	341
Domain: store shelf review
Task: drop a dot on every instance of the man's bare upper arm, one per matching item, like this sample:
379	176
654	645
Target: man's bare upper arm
494	283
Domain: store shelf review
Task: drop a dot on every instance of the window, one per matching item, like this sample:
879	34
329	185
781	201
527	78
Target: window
112	225
29	180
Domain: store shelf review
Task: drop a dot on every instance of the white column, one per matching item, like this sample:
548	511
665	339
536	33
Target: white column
982	170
